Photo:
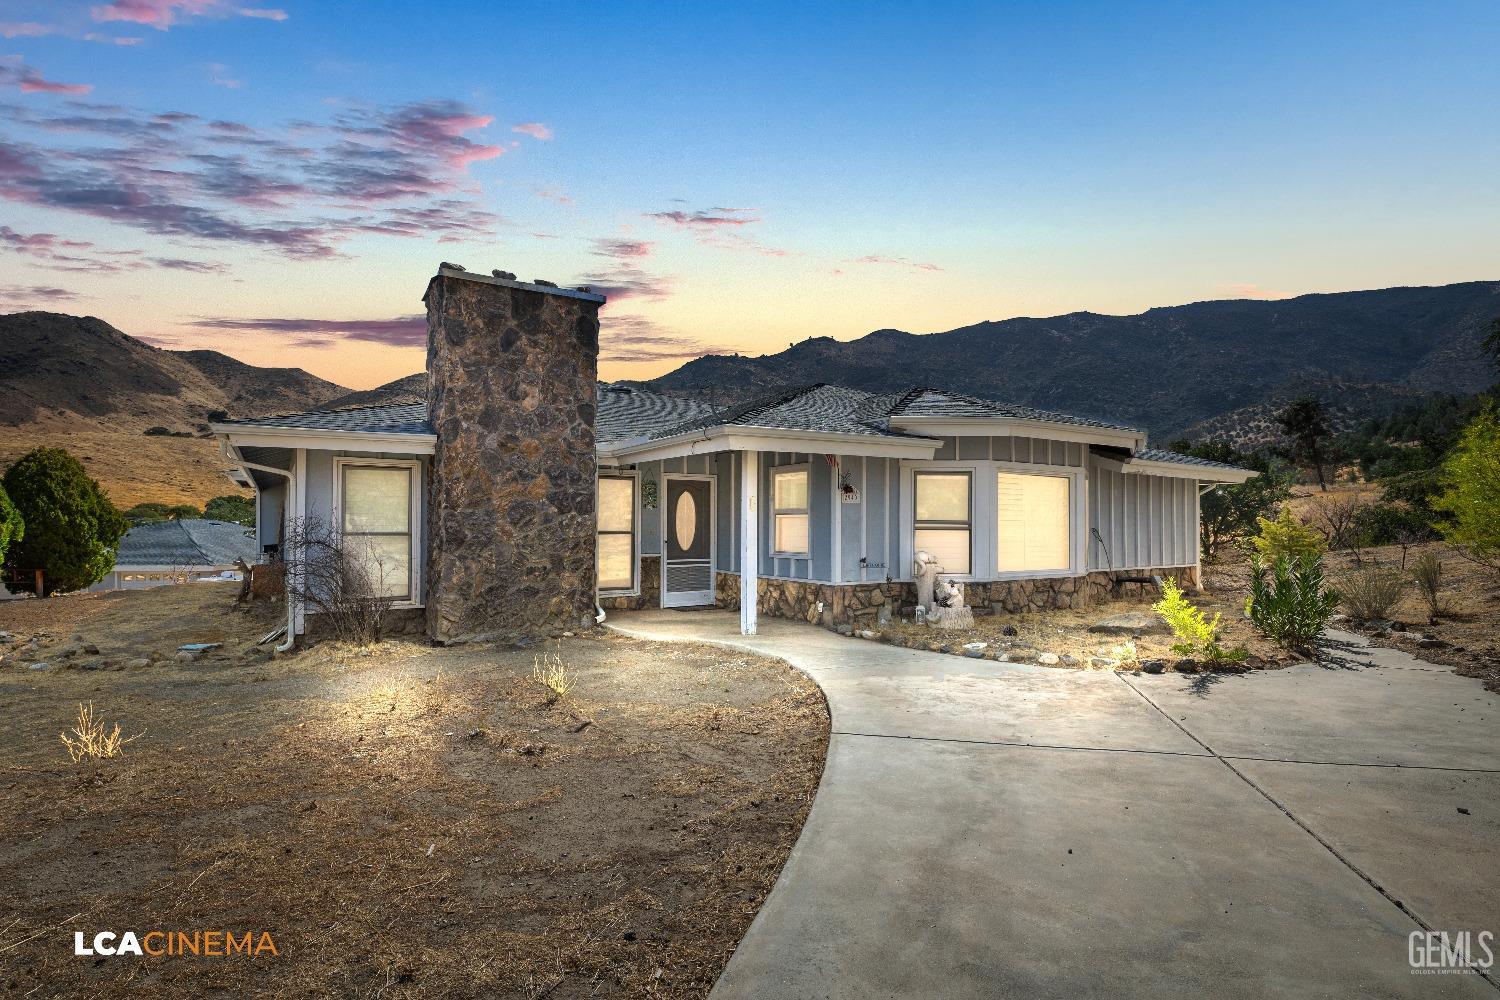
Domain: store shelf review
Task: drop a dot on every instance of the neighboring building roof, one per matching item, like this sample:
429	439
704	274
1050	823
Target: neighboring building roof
388	418
927	402
627	412
1174	458
186	543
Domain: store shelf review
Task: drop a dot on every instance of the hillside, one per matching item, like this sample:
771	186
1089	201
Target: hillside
76	382
1168	369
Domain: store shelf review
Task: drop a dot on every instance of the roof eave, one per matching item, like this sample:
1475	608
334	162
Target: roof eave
1010	426
316	438
1177	470
743	438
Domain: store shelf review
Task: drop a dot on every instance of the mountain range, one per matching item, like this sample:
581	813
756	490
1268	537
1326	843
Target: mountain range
1209	369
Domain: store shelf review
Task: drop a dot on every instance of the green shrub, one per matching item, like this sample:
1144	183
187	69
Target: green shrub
1428	573
1287	538
1197	634
12	527
1370	593
1292	606
1470	497
72	529
231	507
1390	524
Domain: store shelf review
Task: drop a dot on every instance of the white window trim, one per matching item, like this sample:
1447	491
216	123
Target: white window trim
416	515
634	590
985	536
1077	549
806	469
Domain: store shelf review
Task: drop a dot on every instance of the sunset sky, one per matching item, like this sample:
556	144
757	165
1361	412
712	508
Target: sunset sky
278	182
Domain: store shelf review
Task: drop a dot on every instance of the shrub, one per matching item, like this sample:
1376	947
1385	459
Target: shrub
157	432
1389	524
1229	511
1197	634
339	577
90	740
1428	573
1287	539
1470	497
231	507
72	530
1370	593
1292	606
552	673
12	527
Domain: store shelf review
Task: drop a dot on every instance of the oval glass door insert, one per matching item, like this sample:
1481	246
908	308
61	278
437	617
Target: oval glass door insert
686	518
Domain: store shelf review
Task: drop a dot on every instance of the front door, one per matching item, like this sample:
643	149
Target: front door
688	576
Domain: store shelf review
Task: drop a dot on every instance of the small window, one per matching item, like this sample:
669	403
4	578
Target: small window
616	540
1033	526
944	519
376	520
789	511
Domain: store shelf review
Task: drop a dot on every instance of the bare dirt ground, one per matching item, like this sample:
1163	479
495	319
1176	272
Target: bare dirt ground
405	821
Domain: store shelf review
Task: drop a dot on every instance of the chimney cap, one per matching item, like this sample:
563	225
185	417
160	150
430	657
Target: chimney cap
505	278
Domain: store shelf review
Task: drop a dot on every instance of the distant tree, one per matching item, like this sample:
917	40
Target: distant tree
216	416
12	527
72	530
183	512
157	431
231	507
1491	343
1231	510
148	513
1305	421
1470	496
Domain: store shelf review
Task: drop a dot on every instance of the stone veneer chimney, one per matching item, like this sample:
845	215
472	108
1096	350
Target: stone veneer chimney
510	514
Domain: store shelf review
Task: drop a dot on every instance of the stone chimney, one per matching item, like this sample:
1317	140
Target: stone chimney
512	369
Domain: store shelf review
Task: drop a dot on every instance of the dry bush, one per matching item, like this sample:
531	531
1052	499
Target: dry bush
333	577
1370	593
90	740
552	673
1428	572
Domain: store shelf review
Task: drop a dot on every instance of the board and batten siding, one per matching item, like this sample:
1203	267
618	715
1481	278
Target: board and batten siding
1145	521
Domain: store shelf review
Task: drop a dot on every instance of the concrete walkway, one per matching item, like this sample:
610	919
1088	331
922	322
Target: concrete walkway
987	829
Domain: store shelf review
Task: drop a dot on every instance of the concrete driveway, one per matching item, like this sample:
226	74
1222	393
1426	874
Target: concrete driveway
987	829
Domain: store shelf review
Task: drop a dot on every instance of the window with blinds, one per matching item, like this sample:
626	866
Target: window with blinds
1032	528
615	553
375	510
789	511
944	519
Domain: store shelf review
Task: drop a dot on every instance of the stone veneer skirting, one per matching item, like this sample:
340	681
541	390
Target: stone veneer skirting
650	590
855	605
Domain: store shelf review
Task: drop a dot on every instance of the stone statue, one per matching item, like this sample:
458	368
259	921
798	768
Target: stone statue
924	569
950	611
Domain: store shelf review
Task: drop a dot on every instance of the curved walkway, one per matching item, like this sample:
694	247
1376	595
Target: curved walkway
988	829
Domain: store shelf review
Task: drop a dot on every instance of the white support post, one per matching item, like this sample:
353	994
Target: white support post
749	540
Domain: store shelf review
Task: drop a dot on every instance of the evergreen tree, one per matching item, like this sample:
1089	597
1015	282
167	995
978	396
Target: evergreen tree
72	530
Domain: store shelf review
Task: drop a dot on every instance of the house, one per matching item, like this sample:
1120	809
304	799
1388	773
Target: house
524	497
163	552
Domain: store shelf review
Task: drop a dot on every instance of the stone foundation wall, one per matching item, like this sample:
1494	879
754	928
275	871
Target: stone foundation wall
510	515
398	621
650	595
858	605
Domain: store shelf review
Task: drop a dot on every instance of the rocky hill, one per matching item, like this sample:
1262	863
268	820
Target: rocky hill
1170	370
78	383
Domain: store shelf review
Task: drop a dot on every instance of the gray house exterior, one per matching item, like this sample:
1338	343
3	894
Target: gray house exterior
815	499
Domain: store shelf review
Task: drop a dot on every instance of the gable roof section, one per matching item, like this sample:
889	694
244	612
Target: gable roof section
186	543
1175	458
389	418
627	412
927	402
818	408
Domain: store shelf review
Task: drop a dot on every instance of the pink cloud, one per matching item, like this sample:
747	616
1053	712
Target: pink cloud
13	71
636	338
627	281
534	129
623	249
218	75
162	14
554	194
1250	290
894	261
402	331
24	29
712	218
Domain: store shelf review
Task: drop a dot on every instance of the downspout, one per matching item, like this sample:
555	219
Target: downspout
291	487
599	614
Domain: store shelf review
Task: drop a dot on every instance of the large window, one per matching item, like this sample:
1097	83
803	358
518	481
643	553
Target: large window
616	542
1033	527
375	509
789	510
944	518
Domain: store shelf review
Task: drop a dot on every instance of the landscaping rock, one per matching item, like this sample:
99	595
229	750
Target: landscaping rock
136	664
40	666
865	633
186	657
1068	660
6	638
1131	623
67	652
975	650
1048	659
1186	666
1009	630
1102	663
1432	644
1153	666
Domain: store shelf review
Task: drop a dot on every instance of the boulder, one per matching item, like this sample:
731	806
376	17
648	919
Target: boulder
1153	666
40	666
1048	659
975	650
1131	623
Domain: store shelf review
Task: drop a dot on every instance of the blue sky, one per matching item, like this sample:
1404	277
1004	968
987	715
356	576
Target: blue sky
278	181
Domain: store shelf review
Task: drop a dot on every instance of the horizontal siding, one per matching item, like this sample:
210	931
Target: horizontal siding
1143	521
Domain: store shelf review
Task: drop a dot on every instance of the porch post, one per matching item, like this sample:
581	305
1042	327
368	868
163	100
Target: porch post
749	540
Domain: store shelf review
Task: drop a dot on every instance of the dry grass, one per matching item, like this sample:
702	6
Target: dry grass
91	740
549	671
407	821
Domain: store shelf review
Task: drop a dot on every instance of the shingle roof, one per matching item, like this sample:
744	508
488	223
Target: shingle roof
926	402
627	411
390	418
831	409
186	543
1172	457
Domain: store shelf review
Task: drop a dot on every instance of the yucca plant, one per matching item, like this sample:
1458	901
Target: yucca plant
1290	604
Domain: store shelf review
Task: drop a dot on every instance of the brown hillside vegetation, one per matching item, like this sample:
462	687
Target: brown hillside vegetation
76	382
